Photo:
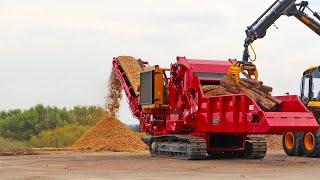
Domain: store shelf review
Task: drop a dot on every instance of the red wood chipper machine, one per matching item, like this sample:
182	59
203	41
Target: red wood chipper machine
184	123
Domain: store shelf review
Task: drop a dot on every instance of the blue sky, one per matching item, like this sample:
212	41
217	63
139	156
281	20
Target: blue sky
59	52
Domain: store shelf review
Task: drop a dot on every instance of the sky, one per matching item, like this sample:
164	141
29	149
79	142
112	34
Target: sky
59	52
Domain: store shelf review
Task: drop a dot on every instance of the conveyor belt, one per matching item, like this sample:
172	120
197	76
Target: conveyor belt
132	69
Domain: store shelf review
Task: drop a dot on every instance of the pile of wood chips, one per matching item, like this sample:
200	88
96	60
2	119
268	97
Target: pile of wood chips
254	89
109	134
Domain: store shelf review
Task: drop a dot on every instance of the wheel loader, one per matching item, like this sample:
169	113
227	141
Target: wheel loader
306	143
299	143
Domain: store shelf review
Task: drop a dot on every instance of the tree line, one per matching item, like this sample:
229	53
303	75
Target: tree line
23	124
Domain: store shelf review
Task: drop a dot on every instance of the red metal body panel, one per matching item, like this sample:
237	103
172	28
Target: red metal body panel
208	65
128	89
191	112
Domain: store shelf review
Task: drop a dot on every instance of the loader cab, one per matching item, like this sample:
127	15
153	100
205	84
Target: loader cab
310	89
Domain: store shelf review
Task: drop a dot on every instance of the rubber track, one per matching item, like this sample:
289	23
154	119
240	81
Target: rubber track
178	147
256	147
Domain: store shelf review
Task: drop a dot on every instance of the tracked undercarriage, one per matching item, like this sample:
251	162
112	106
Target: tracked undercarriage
179	147
195	148
255	147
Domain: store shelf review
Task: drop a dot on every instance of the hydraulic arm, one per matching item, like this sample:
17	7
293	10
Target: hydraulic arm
259	29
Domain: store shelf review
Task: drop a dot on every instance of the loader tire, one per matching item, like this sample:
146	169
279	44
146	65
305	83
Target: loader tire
292	143
311	144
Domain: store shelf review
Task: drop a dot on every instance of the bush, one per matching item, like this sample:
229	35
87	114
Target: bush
133	127
21	125
87	115
12	144
59	137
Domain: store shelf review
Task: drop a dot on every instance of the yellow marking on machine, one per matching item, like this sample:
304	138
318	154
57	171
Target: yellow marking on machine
312	68
248	70
314	104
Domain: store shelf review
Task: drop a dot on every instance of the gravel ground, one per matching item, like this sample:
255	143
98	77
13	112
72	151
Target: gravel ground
108	165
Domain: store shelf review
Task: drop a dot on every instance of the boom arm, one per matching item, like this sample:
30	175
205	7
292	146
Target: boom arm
280	7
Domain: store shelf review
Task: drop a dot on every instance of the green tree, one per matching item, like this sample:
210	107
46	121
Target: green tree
3	115
59	137
21	125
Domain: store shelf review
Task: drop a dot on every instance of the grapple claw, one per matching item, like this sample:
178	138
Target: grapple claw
248	69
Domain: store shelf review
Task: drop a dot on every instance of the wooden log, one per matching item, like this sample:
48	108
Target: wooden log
266	103
276	100
263	105
253	91
261	92
266	88
245	84
250	85
256	84
267	95
230	86
252	81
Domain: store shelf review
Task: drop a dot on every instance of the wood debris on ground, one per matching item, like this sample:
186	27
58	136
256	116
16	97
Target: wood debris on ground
274	142
109	134
17	152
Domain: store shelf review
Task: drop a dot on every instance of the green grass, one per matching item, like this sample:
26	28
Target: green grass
6	143
59	137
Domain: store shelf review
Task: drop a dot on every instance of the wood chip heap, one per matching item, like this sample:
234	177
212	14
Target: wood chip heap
255	90
109	134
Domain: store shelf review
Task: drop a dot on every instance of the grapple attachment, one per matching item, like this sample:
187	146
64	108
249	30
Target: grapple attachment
248	69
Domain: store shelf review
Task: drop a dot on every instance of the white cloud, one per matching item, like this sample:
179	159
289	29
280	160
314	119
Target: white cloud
59	52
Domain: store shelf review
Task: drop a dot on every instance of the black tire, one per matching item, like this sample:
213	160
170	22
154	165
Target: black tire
315	150
294	147
299	137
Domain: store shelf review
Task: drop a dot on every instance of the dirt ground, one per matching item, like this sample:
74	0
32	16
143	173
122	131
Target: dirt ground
108	165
